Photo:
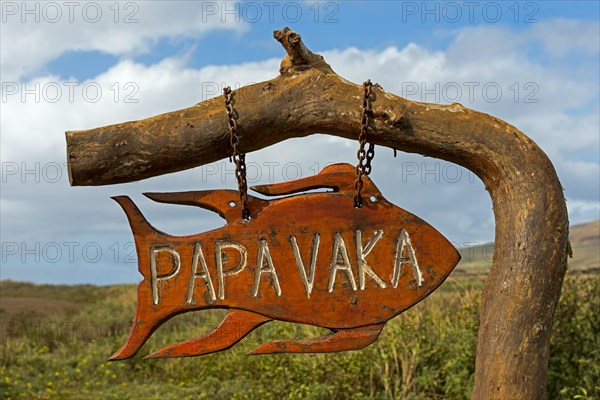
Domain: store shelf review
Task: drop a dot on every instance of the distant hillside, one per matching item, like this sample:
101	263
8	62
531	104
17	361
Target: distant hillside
585	241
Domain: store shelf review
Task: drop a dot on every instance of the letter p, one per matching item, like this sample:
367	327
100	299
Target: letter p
9	89
155	277
9	8
9	249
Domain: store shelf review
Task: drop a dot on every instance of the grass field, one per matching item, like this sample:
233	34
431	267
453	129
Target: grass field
56	339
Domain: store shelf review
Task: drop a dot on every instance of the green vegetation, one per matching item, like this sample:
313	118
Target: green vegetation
426	353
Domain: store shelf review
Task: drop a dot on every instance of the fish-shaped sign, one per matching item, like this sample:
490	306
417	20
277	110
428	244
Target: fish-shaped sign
310	258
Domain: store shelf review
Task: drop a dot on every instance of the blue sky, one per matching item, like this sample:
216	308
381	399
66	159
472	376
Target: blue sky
335	24
533	64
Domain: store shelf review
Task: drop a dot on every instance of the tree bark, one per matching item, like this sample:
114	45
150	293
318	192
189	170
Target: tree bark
524	284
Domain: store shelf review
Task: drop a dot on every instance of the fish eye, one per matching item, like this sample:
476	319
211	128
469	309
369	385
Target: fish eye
232	203
373	199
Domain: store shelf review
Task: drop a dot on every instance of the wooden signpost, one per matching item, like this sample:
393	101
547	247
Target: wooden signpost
310	258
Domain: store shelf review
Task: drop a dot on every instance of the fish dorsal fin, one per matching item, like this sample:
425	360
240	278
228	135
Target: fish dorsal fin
226	203
139	224
338	177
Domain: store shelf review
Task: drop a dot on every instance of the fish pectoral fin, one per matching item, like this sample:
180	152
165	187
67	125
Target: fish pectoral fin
338	177
339	340
234	327
226	203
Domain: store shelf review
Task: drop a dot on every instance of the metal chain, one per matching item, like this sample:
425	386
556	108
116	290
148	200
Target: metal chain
238	158
364	157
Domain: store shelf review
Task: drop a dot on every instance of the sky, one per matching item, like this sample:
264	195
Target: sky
79	65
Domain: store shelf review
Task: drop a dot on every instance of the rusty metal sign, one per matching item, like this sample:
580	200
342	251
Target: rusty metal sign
310	258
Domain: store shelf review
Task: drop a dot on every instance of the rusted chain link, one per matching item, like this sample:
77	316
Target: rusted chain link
364	157
238	158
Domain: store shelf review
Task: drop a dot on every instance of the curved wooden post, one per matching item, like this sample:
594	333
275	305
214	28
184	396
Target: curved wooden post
524	284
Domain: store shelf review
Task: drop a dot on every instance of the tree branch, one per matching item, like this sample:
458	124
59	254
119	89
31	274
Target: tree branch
524	284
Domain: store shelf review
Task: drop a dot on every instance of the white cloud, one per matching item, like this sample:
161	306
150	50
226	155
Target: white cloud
127	91
31	39
579	208
564	36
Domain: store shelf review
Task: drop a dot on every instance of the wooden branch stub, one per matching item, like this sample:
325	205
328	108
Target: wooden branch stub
524	283
299	57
